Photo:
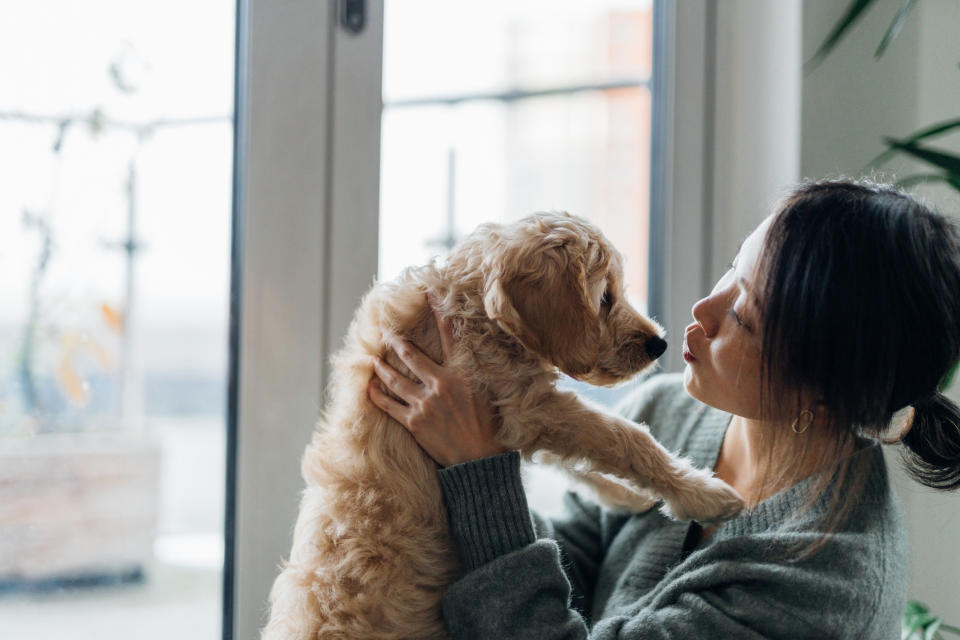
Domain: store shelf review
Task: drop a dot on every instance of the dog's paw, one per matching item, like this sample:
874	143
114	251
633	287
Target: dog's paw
703	498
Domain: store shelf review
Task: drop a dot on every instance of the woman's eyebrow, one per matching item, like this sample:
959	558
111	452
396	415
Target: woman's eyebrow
746	285
736	254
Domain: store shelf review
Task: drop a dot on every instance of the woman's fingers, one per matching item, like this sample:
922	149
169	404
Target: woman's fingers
400	384
445	327
419	362
391	407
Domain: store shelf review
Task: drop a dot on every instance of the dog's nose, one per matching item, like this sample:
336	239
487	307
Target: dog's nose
655	346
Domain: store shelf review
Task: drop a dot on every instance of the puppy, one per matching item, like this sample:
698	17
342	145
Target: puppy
371	552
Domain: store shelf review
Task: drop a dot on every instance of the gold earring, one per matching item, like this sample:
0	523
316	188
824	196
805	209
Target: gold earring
803	421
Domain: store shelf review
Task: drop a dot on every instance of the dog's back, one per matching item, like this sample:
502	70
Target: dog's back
371	551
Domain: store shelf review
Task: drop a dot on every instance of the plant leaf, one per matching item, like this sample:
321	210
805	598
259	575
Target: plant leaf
914	607
894	27
928	132
855	11
947	381
946	161
930	631
920	625
914	616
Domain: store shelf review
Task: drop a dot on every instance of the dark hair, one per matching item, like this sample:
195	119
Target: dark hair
860	286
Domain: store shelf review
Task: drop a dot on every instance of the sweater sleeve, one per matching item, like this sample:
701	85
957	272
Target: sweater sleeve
494	532
581	535
489	516
487	508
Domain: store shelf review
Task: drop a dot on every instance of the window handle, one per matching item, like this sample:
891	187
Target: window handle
352	15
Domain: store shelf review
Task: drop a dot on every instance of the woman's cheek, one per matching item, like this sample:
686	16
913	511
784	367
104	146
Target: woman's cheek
735	357
720	353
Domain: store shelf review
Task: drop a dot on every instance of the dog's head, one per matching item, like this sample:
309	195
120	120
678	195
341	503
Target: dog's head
555	283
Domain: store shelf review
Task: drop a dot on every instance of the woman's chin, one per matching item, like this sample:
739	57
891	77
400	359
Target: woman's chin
690	382
687	376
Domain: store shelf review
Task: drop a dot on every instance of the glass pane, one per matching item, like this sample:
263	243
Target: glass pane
437	47
116	148
532	106
502	161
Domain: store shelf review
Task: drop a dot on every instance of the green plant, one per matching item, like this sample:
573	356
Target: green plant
945	165
919	624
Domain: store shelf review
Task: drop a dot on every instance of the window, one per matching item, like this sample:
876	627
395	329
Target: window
511	109
116	144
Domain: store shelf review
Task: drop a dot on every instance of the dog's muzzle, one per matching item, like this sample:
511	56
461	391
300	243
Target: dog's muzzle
655	347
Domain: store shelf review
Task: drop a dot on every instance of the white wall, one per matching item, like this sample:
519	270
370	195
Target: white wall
851	100
730	138
849	103
938	85
757	118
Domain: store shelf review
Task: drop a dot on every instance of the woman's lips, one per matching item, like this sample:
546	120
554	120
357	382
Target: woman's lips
687	354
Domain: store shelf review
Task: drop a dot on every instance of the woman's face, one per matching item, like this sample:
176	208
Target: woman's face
722	347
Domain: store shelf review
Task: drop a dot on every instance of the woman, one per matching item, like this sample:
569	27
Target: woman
840	309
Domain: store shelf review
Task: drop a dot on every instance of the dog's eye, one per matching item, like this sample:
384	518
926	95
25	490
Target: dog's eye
606	300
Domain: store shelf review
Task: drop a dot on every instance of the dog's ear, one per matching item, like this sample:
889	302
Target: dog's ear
540	297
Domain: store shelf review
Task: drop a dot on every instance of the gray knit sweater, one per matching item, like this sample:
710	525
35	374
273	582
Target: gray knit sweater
595	574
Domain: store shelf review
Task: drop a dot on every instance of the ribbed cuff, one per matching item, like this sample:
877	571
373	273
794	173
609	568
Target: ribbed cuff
487	508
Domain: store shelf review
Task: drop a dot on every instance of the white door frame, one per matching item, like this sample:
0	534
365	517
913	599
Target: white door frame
305	249
681	166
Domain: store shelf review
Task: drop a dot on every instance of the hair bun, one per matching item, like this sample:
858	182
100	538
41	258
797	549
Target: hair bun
928	402
932	443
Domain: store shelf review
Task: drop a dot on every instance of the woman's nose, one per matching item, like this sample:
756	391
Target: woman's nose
704	314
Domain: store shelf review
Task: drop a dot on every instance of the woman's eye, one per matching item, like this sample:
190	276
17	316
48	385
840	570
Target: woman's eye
736	316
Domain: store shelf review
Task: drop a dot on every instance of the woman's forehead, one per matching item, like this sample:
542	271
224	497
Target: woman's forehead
752	243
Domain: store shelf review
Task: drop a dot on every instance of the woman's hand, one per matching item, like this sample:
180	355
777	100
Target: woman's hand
451	423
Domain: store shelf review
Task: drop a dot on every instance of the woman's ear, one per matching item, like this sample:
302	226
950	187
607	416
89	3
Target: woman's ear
541	299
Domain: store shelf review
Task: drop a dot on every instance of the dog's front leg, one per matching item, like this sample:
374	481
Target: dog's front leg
610	444
613	492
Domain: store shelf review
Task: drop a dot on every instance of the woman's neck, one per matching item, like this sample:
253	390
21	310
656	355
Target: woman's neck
751	460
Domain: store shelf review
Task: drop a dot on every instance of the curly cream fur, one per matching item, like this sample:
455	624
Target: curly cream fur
371	552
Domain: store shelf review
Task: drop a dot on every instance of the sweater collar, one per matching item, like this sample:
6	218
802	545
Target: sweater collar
703	447
787	507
